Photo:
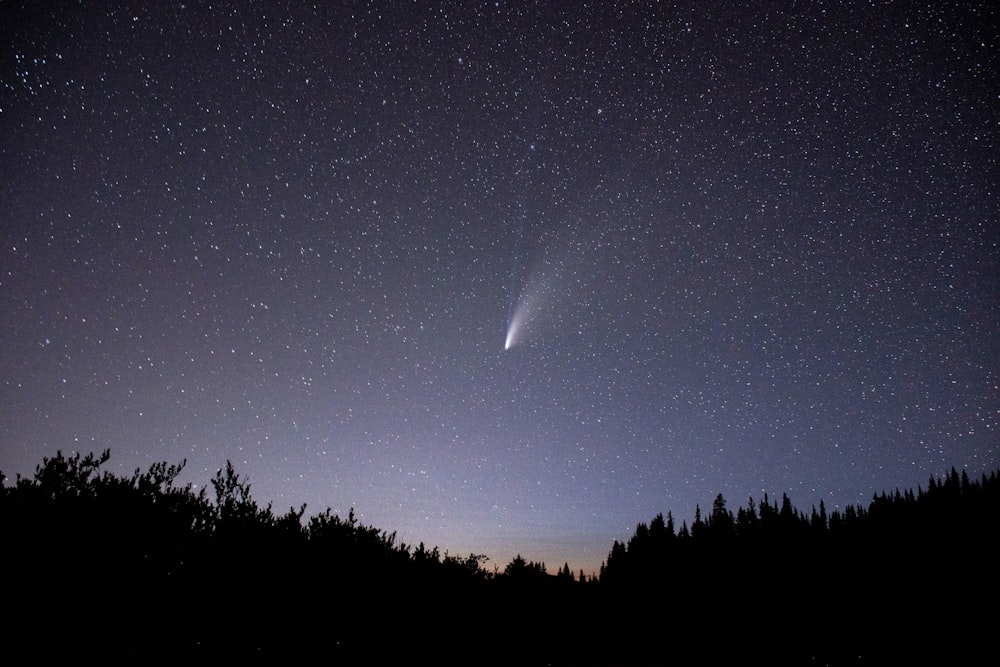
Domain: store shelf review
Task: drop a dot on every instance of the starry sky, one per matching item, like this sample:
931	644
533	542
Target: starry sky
505	277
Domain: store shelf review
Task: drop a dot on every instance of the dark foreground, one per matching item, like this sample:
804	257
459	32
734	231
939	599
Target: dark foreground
139	570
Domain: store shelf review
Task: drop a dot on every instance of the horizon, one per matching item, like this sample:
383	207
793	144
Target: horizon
566	540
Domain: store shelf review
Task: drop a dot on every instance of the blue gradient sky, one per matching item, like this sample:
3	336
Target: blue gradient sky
758	246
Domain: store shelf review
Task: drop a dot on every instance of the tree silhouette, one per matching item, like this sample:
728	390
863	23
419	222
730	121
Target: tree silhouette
166	562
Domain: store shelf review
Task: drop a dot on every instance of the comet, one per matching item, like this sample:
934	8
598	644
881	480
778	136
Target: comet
522	315
532	297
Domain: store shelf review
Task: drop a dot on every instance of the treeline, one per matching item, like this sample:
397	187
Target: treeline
138	561
952	514
912	576
109	565
99	562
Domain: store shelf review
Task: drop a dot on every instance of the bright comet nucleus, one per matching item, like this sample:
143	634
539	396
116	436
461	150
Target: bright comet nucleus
511	333
515	326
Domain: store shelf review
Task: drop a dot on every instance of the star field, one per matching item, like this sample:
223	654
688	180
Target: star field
758	247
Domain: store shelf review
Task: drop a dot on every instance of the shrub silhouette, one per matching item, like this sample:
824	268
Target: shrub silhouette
140	566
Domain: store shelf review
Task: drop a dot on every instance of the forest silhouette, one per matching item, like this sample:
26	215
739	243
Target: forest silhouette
139	568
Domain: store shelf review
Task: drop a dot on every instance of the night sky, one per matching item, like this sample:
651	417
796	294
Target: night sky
504	277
